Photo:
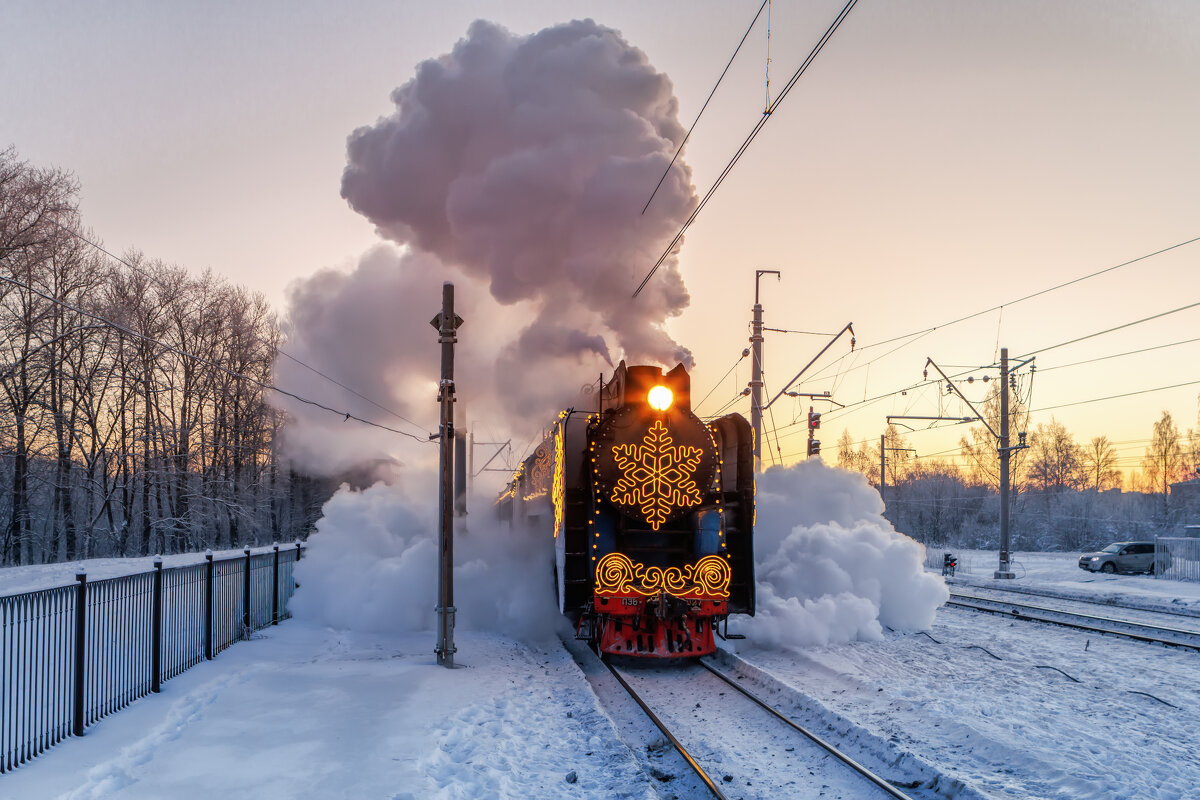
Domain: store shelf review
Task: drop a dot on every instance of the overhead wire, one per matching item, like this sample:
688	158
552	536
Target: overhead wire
679	150
1041	350
747	142
926	331
1119	355
719	382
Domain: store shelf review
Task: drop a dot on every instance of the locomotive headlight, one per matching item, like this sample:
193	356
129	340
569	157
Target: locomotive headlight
660	398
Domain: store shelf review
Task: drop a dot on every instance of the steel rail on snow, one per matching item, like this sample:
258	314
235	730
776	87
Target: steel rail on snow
863	771
838	754
1011	609
708	781
1186	613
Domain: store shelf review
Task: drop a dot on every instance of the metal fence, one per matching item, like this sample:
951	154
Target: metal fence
62	670
1177	559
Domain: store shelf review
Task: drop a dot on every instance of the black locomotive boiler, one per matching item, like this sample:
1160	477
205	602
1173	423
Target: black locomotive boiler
651	515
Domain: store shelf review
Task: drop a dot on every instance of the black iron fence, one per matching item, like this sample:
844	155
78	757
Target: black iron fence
62	670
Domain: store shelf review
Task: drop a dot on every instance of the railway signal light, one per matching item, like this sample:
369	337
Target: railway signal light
814	447
814	420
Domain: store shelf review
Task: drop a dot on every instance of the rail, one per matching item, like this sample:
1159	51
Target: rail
699	770
1139	631
833	751
71	655
846	760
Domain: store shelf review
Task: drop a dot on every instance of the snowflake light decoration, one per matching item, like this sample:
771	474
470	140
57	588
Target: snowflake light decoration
657	475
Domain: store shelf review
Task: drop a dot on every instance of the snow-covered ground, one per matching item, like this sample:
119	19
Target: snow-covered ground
987	704
304	711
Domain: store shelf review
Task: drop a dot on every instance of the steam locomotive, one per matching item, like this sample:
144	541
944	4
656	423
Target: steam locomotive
651	513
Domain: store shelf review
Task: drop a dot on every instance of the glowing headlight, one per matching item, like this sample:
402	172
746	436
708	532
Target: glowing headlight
660	398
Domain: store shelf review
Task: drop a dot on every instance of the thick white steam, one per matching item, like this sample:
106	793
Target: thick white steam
830	567
525	161
516	167
373	566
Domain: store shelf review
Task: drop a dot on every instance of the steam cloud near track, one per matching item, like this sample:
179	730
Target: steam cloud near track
372	566
830	567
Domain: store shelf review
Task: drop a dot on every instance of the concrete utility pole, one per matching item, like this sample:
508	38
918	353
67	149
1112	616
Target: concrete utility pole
1004	570
756	381
446	323
882	465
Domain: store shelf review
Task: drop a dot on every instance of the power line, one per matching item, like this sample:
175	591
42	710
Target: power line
722	380
926	331
1041	350
201	360
1117	355
746	144
736	50
1115	396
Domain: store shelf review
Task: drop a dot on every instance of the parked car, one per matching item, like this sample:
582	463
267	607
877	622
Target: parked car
1126	557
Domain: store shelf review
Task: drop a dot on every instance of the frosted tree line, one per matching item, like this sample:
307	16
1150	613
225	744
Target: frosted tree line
1065	495
130	420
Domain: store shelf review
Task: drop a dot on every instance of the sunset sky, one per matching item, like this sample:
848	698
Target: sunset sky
937	160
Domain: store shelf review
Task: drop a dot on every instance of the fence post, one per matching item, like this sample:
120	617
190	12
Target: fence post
156	629
298	550
246	596
208	606
275	587
80	643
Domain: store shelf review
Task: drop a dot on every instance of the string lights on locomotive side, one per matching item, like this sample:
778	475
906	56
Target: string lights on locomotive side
651	514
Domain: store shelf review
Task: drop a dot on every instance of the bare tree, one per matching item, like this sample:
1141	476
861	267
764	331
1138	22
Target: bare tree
1055	460
1099	463
1163	463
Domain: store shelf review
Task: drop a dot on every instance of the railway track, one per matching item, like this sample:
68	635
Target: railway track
1185	611
1095	623
711	685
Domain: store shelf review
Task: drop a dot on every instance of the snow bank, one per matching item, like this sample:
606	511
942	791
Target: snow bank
830	567
372	566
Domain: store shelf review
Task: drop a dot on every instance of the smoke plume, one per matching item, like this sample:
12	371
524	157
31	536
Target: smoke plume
516	167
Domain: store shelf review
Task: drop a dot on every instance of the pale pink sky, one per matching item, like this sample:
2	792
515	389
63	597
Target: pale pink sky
939	158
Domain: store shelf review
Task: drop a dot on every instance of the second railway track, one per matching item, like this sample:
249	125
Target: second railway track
738	744
1094	623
